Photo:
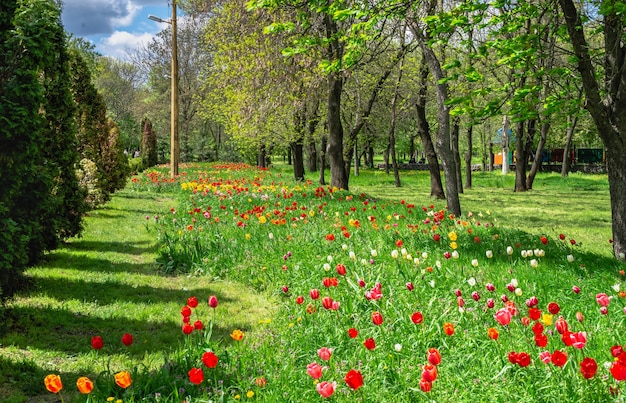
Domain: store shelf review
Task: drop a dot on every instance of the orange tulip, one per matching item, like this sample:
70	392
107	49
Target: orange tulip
53	383
84	385
448	328
122	379
237	335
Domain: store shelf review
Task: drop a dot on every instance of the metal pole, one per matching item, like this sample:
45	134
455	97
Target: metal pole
175	146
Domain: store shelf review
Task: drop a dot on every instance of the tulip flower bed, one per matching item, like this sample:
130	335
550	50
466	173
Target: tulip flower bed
386	301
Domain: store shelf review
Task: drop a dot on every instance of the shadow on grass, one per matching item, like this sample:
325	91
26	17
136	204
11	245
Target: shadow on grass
60	330
129	248
112	292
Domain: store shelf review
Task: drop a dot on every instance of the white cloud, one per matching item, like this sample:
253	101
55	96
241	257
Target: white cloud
120	43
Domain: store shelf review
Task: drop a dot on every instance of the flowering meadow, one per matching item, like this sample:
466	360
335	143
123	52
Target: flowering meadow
376	301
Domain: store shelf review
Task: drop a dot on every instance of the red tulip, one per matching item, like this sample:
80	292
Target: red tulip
425	386
97	343
409	286
616	351
554	308
198	325
588	367
448	328
213	301
327	302
341	269
210	359
429	372
523	359
475	296
192	302
314	293
534	313
434	356
187	328
417	318
537	328
541	340
559	358
377	318
299	300
127	339
196	376
493	334
369	344
544	240
185	311
354	379
490	303
353	333
561	325
618	370
490	287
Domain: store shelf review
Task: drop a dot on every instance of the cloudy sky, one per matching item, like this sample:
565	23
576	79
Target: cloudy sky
114	26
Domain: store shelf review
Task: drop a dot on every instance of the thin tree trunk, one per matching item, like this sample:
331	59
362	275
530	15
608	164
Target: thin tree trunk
323	160
312	161
468	158
392	124
520	162
571	126
297	152
545	128
454	143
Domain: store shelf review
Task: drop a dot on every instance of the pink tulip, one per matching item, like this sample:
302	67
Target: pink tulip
503	316
576	289
314	370
490	303
546	357
213	301
326	389
602	299
475	296
579	339
490	287
325	353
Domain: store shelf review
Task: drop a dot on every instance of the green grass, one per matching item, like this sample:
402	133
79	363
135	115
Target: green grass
107	283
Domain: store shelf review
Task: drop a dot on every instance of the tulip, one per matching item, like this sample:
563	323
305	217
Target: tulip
554	308
433	356
417	318
325	353
213	301
475	296
96	342
425	386
196	376
210	359
354	379
377	318
559	358
489	254
409	286
602	299
429	373
327	302
576	289
192	302
503	316
579	316
326	389
579	339
370	344
561	325
122	379
53	383
84	385
490	287
314	370
604	310
588	367
127	339
299	300
490	303
314	293
545	357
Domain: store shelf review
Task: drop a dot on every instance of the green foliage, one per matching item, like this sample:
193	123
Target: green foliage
88	179
41	203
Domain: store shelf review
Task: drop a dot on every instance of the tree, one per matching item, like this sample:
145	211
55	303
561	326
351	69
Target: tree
606	103
41	203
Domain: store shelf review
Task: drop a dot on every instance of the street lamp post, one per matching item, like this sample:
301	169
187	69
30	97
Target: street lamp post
175	144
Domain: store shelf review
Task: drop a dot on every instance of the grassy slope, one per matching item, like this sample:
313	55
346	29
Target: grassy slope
106	283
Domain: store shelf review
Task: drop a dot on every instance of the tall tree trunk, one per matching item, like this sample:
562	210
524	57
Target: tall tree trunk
370	156
442	141
338	175
468	158
545	128
312	160
571	126
392	124
423	129
454	143
386	158
608	112
505	146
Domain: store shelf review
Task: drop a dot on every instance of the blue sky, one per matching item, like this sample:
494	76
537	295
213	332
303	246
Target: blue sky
114	26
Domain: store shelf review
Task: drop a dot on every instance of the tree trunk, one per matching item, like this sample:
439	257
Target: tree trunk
297	152
520	162
608	112
392	125
442	141
312	161
468	158
323	160
260	161
571	126
334	149
454	142
505	146
386	159
545	128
